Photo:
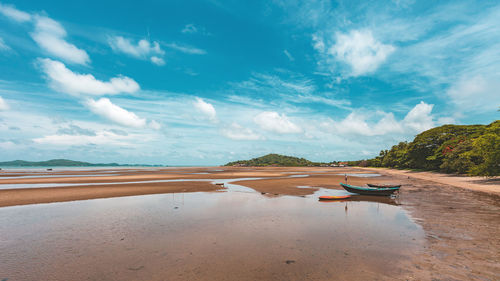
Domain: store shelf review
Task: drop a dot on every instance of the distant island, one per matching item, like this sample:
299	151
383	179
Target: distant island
460	149
277	160
61	163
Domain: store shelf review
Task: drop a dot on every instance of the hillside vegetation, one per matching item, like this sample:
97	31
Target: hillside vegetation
462	149
274	160
56	162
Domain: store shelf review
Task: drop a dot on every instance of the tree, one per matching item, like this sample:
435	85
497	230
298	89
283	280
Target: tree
486	149
473	149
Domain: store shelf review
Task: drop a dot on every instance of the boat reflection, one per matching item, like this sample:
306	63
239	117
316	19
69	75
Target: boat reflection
389	200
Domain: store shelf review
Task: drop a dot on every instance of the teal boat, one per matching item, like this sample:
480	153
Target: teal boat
383	185
370	190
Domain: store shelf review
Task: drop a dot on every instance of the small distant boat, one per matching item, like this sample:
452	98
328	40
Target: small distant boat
369	190
326	197
382	185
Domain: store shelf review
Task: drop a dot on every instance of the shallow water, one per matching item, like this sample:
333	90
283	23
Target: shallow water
207	236
34	169
56	176
225	181
45	185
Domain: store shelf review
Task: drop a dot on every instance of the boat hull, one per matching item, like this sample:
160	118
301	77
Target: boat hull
369	190
382	185
334	197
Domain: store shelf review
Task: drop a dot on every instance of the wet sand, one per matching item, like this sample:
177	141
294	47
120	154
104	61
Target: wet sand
461	225
489	185
271	236
289	186
276	180
11	197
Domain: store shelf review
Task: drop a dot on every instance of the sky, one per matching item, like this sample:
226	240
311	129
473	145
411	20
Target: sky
210	81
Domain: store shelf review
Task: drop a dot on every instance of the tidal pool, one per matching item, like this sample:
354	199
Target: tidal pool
225	181
207	236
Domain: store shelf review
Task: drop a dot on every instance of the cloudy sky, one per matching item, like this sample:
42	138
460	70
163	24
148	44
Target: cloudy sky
206	82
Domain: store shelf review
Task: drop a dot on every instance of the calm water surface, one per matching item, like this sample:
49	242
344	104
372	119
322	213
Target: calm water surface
207	236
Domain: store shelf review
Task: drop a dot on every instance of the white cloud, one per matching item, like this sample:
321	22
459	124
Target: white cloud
14	14
417	120
272	84
3	46
388	124
3	104
142	49
206	109
288	55
464	50
354	123
64	80
157	60
360	50
476	93
154	125
100	138
445	120
310	98
189	28
319	43
105	108
274	122
49	35
236	132
186	49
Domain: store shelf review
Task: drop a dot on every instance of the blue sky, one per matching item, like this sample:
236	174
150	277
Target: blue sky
207	82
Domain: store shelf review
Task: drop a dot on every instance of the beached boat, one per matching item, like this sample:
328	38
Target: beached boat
338	197
383	185
369	190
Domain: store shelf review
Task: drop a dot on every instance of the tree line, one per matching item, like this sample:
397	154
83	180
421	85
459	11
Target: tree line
274	160
461	149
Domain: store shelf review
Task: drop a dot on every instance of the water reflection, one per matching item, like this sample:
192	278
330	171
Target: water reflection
227	183
366	198
20	176
205	236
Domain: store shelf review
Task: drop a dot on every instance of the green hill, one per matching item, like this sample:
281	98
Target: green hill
273	160
55	162
462	149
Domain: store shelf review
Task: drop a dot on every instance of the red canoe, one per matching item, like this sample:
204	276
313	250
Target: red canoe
334	197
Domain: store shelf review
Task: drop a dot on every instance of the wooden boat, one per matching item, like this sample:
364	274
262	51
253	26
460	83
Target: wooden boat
369	190
334	197
382	185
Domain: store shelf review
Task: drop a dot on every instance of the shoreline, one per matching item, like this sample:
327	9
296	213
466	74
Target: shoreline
474	183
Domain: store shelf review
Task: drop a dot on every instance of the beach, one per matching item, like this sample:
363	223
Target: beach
205	223
17	188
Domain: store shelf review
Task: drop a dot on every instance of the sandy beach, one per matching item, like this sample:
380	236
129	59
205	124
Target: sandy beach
458	217
482	184
16	189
